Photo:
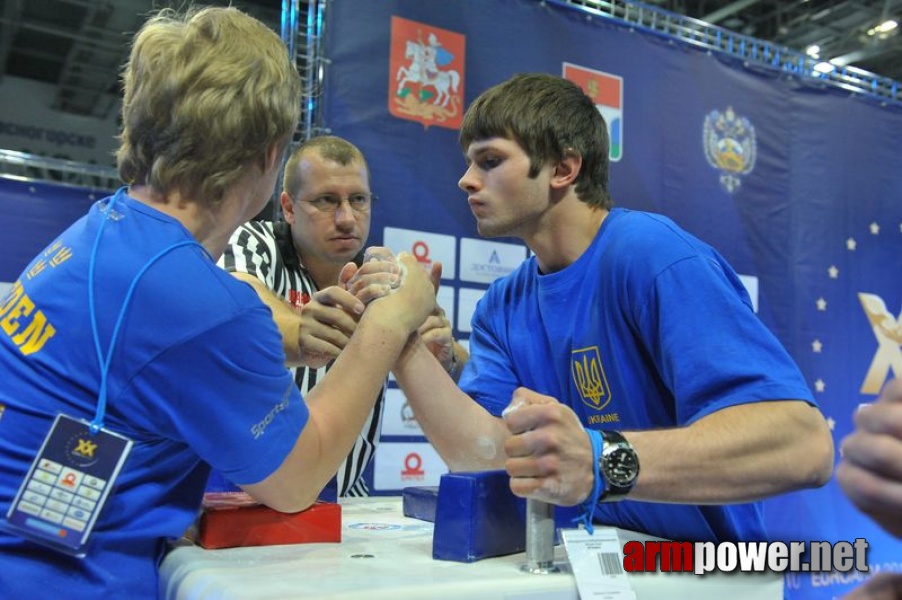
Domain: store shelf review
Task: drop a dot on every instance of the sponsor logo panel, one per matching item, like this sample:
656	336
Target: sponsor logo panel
466	305
398	417
399	465
425	246
483	261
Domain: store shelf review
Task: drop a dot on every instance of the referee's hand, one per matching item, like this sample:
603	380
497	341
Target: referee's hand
326	324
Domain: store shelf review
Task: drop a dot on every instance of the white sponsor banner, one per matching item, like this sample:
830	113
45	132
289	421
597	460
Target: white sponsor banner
482	261
398	417
428	248
445	299
751	285
398	465
466	305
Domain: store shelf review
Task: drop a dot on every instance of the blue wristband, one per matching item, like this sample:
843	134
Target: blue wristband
589	504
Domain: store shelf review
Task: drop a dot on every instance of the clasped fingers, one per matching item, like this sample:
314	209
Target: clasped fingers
374	279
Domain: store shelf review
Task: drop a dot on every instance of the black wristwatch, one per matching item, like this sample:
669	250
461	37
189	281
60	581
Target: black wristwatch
619	465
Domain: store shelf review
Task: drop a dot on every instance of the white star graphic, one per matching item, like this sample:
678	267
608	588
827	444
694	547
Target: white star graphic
817	343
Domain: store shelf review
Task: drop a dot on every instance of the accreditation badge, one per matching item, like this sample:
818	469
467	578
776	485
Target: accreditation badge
68	485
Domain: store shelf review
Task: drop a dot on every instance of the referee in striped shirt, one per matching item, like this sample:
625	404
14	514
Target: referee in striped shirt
294	265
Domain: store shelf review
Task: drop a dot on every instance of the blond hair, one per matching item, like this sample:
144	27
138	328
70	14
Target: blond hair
206	96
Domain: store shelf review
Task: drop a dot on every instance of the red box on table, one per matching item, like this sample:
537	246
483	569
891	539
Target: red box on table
235	519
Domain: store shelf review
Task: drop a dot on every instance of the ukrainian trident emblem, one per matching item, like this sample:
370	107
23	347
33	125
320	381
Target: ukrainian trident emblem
588	375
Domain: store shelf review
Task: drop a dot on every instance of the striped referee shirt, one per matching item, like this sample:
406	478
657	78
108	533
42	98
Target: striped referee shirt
265	250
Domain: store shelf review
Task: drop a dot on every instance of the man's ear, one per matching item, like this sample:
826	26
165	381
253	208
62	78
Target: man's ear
287	207
567	169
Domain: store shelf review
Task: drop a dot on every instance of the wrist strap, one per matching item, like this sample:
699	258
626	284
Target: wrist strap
587	508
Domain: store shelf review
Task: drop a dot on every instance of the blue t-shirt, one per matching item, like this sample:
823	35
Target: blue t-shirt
649	328
197	378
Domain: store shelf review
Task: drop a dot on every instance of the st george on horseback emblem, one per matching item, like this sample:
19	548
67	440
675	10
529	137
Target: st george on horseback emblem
426	73
730	146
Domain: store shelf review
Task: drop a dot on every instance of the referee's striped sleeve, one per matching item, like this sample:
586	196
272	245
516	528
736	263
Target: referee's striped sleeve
252	250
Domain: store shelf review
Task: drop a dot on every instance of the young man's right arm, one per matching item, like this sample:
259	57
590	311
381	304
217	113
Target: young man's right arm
466	436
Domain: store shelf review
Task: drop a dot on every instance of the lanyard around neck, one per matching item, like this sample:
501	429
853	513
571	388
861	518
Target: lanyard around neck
97	423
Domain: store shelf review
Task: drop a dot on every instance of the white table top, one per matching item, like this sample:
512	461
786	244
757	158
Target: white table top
385	555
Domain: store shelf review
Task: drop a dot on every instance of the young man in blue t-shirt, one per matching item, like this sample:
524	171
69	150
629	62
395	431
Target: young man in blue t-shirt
623	360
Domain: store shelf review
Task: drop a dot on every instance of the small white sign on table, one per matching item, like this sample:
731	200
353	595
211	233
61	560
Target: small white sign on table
597	564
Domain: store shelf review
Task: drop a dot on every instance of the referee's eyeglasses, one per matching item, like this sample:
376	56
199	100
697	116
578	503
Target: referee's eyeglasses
330	203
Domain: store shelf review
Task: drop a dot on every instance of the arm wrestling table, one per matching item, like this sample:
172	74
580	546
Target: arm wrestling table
385	555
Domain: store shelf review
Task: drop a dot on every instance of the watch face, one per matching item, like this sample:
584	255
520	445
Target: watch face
621	467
